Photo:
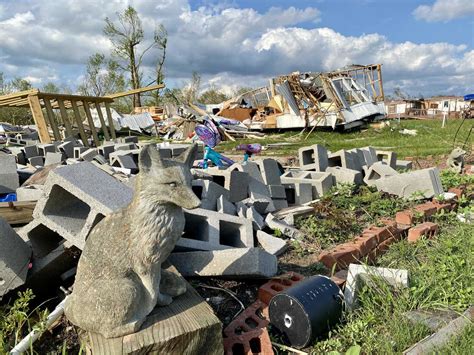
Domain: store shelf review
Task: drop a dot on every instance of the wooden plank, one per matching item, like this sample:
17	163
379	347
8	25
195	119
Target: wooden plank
40	121
65	118
79	124
111	121
52	120
69	97
102	122
186	326
20	94
87	110
135	91
19	212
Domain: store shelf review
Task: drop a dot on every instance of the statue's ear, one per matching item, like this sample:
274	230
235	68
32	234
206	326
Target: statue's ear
149	156
188	156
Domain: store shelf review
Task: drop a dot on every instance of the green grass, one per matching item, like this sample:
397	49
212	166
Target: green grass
441	277
430	140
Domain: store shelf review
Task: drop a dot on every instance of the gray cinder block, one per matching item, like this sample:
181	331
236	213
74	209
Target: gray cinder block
388	157
29	193
225	206
271	244
67	148
129	139
208	191
78	151
345	176
236	182
314	157
298	193
106	149
30	151
241	262
14	259
76	197
282	226
88	155
210	230
126	162
404	164
36	161
321	181
124	146
424	183
9	181
395	277
269	171
370	155
344	159
46	148
258	222
378	171
53	158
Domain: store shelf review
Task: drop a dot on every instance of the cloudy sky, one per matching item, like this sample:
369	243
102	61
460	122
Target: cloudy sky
425	46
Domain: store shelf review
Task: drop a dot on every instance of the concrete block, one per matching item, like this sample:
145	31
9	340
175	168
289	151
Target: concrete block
279	203
424	183
124	146
129	139
36	161
345	176
67	148
395	277
8	176
241	262
46	148
78	151
76	197
14	258
241	209
126	162
30	151
283	227
88	155
320	181
370	155
225	206
388	157
289	214
277	191
260	205
271	244
209	192
18	153
298	193
344	159
29	193
99	159
210	230
270	171
106	149
404	164
53	158
314	157
236	182
258	222
378	171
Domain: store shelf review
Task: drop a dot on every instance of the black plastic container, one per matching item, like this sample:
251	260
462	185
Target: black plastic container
306	310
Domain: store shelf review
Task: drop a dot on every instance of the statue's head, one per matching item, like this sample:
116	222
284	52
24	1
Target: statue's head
457	153
167	180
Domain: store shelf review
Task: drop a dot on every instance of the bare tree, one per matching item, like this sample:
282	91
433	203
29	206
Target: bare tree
126	35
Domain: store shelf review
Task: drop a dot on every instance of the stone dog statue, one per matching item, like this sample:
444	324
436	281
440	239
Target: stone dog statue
119	273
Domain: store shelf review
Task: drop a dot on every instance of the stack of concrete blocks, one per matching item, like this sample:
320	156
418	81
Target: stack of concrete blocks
9	181
425	183
209	192
76	197
234	181
14	259
321	182
271	177
257	189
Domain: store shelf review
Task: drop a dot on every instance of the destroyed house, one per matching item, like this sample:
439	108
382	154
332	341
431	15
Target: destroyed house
343	98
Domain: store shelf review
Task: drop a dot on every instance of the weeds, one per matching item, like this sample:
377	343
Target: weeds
451	178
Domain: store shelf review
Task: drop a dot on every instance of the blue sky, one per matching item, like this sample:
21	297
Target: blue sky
426	47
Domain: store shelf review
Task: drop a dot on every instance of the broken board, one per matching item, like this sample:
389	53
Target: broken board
19	212
187	326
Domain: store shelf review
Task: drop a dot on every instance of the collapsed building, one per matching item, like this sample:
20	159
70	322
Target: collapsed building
345	98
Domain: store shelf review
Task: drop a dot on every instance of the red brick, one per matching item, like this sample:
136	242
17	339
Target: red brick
426	229
381	233
402	231
366	243
459	191
251	318
446	206
341	255
405	217
256	341
278	284
427	209
383	247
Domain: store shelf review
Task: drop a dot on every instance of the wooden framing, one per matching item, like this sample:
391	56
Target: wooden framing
47	122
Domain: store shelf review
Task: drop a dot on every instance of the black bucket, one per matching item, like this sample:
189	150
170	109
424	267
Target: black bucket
306	310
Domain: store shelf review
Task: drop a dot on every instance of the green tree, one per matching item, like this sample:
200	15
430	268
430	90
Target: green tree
213	96
102	77
126	34
51	88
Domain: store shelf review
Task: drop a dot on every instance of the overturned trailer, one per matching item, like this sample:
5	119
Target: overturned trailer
346	98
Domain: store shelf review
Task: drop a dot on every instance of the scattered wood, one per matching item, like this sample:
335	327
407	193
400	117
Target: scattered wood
19	212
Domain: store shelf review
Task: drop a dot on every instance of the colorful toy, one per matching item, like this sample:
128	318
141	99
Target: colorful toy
209	134
249	149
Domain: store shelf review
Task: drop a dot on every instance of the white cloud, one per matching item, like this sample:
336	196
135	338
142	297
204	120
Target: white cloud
444	10
227	45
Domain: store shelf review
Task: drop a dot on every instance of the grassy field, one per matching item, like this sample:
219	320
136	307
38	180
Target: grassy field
431	139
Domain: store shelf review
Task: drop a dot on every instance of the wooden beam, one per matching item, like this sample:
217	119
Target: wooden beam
22	94
135	91
52	120
110	120
18	212
102	122
65	118
79	124
87	110
39	119
74	97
